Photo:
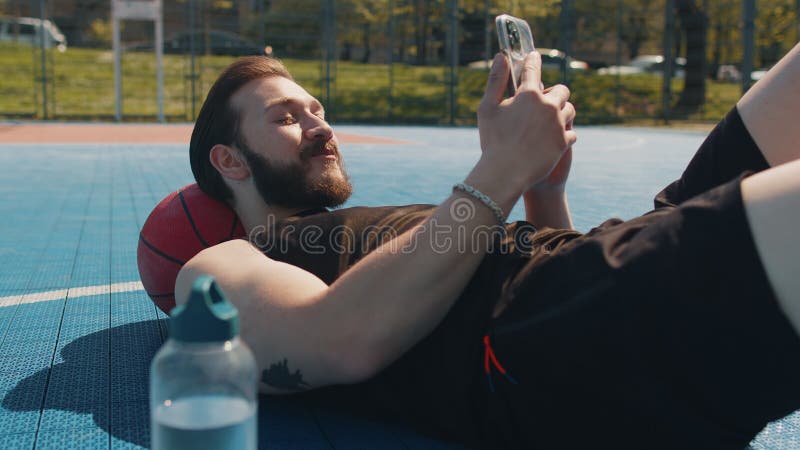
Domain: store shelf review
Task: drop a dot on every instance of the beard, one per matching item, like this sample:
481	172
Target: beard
290	186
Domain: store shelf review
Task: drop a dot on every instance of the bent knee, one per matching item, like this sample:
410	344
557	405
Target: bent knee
772	206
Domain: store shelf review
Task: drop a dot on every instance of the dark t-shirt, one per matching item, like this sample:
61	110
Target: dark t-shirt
430	384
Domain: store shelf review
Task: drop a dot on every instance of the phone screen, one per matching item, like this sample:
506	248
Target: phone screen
516	41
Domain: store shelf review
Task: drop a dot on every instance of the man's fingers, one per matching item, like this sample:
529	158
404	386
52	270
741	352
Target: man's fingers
571	136
498	80
532	72
559	94
568	112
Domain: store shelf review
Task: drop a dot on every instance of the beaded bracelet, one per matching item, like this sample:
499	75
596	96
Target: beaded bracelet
483	198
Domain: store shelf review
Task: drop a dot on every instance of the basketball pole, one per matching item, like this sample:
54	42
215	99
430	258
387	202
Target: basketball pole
748	42
138	10
43	49
666	80
117	65
159	32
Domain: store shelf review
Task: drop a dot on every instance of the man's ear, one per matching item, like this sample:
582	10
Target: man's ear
229	162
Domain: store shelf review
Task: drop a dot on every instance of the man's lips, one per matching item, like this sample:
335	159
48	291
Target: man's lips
326	157
324	150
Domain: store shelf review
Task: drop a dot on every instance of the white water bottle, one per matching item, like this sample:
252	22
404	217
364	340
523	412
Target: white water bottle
203	380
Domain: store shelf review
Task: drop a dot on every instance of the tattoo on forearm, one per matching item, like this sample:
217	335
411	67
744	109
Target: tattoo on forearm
278	376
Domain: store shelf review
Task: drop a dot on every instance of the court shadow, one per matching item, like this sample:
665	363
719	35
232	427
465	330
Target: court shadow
83	391
80	390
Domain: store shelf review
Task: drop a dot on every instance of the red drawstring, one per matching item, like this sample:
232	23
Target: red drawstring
489	356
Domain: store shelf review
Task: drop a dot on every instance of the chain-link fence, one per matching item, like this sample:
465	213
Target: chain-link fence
395	61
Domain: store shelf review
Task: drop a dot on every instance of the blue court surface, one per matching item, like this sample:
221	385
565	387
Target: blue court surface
77	332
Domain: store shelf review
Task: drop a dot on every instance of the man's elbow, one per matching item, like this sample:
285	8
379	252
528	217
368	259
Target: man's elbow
204	263
343	353
183	283
354	370
354	361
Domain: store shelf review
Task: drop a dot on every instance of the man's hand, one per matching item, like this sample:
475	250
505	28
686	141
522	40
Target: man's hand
527	135
546	201
556	180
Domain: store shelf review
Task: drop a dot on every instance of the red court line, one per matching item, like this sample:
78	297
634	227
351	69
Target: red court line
26	133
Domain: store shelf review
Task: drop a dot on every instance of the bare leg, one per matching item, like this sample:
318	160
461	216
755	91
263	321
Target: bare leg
770	109
772	205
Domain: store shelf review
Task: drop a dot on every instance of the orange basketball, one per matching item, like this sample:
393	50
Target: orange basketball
179	227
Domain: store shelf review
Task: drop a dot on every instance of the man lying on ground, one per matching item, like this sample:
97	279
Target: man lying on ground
672	330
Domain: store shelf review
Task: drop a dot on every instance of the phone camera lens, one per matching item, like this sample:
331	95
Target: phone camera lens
511	27
513	35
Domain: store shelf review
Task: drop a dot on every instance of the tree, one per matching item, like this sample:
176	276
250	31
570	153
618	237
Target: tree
639	17
294	27
361	21
724	34
693	25
421	21
775	29
544	19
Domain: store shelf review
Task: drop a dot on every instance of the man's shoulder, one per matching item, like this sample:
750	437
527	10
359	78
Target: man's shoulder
329	242
355	221
384	209
369	214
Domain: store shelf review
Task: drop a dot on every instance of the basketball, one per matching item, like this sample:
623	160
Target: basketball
179	227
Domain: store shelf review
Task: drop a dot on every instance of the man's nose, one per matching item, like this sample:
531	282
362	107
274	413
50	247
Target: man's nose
318	129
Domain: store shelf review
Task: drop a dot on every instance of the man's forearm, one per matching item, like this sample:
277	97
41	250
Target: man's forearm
399	293
547	209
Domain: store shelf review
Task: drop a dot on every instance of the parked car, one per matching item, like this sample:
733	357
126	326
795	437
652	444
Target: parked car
551	59
554	59
731	73
646	64
758	74
28	31
215	42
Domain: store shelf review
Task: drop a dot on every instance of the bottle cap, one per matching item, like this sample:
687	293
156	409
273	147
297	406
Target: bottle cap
206	317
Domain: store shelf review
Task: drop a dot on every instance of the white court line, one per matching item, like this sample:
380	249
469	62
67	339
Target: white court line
82	291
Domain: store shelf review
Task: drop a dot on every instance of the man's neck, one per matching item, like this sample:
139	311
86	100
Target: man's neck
253	212
265	216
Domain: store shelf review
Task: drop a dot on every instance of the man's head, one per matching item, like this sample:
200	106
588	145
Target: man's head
258	126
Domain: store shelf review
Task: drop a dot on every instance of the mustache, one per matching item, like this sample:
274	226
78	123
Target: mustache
317	147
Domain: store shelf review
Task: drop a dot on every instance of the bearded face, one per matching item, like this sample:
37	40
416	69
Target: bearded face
317	177
289	147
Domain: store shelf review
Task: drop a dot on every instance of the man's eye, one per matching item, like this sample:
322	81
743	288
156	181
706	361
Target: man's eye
320	114
288	120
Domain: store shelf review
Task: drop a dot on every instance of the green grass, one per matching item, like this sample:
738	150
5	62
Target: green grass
80	85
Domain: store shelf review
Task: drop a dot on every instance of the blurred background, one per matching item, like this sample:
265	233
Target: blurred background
393	61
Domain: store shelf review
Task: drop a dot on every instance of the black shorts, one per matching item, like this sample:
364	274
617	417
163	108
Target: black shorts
658	332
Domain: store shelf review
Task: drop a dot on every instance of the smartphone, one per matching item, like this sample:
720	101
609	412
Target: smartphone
516	41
